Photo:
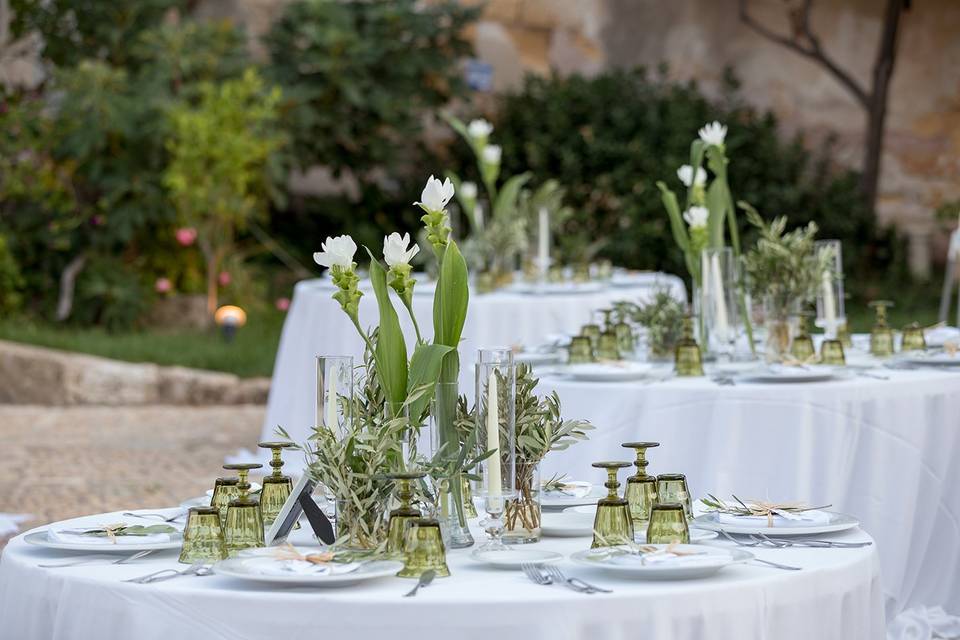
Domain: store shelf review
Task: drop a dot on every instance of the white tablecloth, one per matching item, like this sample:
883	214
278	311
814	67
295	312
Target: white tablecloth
885	451
316	325
835	596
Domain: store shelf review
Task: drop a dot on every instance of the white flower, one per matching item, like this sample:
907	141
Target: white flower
336	252
492	153
395	249
713	133
686	171
436	194
696	217
479	128
468	190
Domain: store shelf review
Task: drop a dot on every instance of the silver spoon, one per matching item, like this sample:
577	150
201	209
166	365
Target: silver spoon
425	579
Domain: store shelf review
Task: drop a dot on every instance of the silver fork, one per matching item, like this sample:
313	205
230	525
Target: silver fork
87	560
533	572
574	583
197	568
173	518
739	543
765	541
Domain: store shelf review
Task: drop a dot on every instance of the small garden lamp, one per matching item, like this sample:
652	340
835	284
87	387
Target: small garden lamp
230	318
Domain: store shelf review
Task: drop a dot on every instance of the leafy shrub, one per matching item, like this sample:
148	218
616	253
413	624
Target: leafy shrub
10	280
110	295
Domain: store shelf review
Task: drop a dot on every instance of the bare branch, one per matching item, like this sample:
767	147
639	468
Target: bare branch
813	50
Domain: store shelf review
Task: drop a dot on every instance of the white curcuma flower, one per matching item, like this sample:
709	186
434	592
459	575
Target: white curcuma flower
685	174
696	217
468	190
479	128
395	250
436	194
337	252
492	153
713	133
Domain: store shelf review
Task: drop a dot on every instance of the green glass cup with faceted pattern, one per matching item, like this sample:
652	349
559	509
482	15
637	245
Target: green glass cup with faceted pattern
672	487
203	539
423	549
641	491
688	360
881	336
225	491
913	338
831	353
276	487
612	526
244	526
580	350
668	524
405	513
801	348
592	333
608	347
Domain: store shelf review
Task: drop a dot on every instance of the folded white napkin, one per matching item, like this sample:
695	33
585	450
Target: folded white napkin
73	535
662	558
781	519
273	567
573	488
936	337
924	623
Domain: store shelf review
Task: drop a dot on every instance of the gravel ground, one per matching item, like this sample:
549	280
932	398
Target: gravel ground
58	463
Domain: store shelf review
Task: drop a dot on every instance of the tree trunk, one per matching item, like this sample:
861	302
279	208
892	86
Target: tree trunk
68	281
873	152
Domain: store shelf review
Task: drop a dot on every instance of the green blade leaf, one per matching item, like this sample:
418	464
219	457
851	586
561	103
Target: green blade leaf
506	202
425	369
451	298
391	349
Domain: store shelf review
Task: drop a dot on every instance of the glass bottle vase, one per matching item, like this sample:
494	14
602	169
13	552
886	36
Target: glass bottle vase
522	516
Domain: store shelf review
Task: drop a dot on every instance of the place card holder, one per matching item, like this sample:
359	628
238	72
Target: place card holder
300	503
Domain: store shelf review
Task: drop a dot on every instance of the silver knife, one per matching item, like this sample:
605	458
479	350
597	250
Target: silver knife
425	578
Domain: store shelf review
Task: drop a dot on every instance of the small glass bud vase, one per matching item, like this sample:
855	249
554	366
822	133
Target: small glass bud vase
688	360
522	517
613	525
580	350
405	513
881	337
641	491
801	348
244	527
276	487
913	338
423	549
668	524
831	353
608	347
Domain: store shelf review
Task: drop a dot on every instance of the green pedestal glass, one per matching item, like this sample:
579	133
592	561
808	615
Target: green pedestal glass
668	524
580	350
831	353
913	338
608	347
625	339
225	491
244	525
687	356
881	336
403	514
203	539
641	491
612	525
423	549
801	348
276	487
672	487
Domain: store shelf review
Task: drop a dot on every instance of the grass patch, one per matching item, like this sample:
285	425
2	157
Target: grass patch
251	353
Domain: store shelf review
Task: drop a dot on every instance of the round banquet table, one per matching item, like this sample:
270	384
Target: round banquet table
836	595
316	325
884	451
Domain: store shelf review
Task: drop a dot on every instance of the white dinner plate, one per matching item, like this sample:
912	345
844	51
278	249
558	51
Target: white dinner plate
940	359
566	525
813	373
557	500
514	557
608	372
199	501
237	568
40	539
838	522
709	561
254	488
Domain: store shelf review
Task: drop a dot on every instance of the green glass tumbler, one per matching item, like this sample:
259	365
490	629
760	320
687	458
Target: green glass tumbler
831	353
668	525
801	348
225	491
203	539
672	487
592	333
641	491
608	347
423	549
913	338
244	526
688	360
612	526
404	513
580	350
881	336
276	487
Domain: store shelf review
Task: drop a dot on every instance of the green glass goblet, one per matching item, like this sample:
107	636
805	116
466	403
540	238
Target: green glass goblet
913	338
802	346
276	487
404	513
672	487
203	537
225	490
244	527
612	526
608	347
881	336
831	353
668	525
641	491
580	350
423	549
687	356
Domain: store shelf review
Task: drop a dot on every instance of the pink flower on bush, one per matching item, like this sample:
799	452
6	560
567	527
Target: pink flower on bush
283	304
224	278
163	285
186	236
97	220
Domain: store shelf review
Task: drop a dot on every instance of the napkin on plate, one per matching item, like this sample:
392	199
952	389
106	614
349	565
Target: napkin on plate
662	558
572	488
937	336
73	535
265	562
781	519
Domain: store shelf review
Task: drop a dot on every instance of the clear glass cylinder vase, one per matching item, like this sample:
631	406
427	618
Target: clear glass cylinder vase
719	304
445	443
780	326
522	516
334	392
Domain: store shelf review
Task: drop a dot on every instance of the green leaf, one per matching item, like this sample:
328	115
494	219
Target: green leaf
506	202
717	204
451	298
677	225
425	370
391	349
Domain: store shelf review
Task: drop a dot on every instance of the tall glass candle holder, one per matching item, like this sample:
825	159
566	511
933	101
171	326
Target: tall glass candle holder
334	392
495	387
719	301
831	314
